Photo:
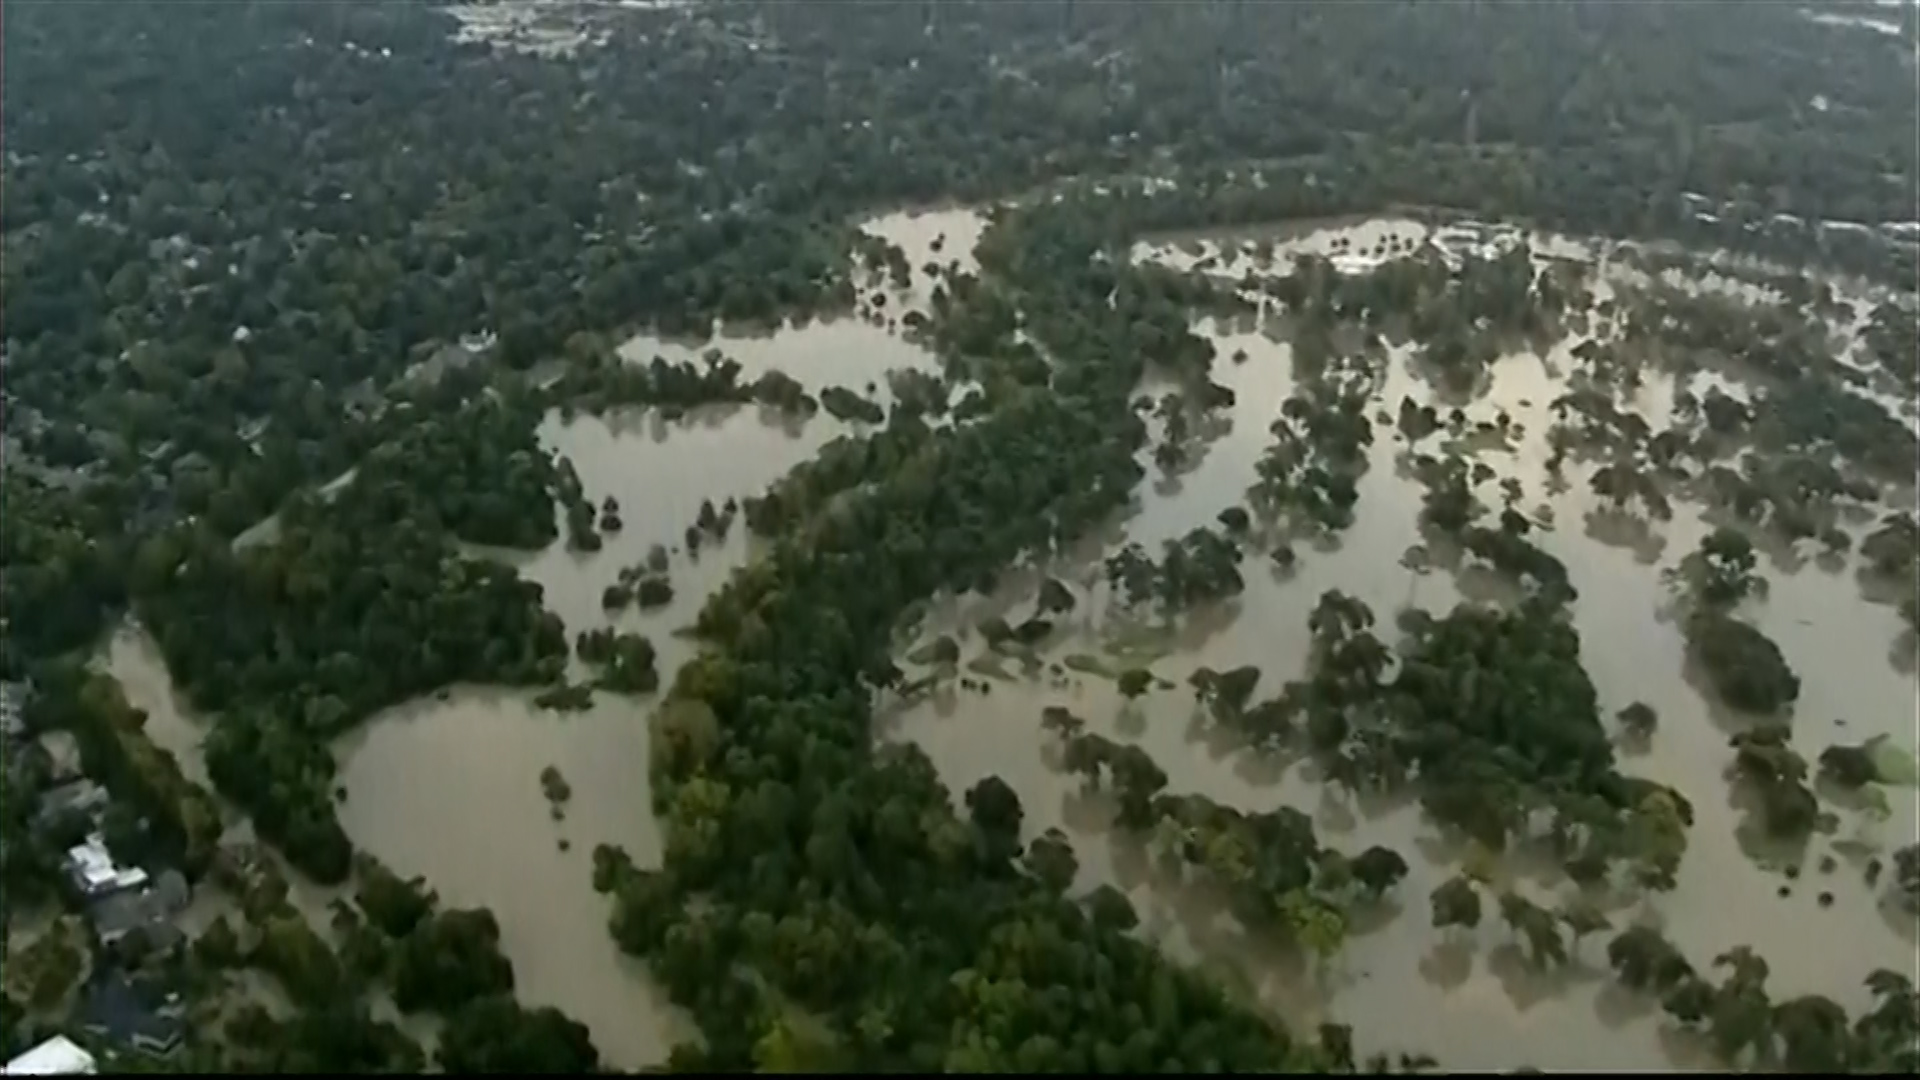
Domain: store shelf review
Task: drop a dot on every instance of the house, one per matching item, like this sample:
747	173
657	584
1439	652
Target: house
150	911
58	1056
91	869
81	798
129	1014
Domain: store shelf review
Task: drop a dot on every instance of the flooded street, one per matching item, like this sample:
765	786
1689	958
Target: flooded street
449	788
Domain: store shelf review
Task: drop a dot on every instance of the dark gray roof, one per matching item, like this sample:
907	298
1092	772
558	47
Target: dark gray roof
79	797
151	910
119	913
118	1010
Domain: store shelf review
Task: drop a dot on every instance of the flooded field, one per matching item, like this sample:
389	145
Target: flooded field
449	788
1472	1000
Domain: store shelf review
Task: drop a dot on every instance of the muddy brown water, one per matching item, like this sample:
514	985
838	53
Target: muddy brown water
1470	1000
448	788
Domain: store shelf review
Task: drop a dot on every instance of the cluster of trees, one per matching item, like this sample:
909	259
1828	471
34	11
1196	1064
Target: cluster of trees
767	777
158	816
1491	712
361	602
844	404
1552	935
1893	342
625	660
1764	758
1825	450
1893	549
710	523
597	379
583	527
1805	1034
1450	511
66	560
1277	874
1744	665
478	472
1807	404
642	585
1202	566
844	463
1310	474
1463	319
394	937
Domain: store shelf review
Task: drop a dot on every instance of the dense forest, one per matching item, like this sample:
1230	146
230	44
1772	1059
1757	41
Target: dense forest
243	240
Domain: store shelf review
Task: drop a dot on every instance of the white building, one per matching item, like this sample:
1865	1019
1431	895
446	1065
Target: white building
58	1056
91	869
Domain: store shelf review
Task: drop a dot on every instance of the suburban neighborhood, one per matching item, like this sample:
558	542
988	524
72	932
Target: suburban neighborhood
88	963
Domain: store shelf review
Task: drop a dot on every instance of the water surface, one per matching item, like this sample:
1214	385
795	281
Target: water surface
1469	999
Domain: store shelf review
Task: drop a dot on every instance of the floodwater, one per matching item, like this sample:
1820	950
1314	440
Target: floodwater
133	659
1471	1001
449	789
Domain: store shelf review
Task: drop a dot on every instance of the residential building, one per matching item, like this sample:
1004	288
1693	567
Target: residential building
150	911
91	869
129	1014
82	798
58	1056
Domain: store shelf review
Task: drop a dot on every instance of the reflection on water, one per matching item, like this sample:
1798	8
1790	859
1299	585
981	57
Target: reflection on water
1470	999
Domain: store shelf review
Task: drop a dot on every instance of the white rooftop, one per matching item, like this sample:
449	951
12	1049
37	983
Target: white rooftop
93	867
58	1056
